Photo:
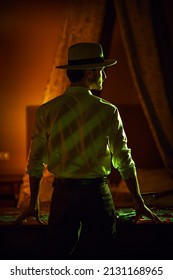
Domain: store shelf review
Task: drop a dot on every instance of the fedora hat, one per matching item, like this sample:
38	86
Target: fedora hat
83	56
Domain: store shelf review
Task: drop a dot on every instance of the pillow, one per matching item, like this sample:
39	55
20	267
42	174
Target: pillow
150	181
154	180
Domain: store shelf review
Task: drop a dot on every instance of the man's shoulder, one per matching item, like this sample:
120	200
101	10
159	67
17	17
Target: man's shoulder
51	103
103	102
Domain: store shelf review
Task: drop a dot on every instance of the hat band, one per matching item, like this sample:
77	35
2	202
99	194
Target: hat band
86	61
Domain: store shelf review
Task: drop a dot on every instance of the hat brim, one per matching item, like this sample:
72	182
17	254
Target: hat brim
106	63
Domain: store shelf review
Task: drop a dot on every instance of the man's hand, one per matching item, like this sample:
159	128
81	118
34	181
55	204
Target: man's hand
140	207
29	212
144	210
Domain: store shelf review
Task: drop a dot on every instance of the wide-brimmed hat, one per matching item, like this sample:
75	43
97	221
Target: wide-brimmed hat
86	56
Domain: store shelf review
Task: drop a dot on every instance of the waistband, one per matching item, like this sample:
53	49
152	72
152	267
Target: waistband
79	181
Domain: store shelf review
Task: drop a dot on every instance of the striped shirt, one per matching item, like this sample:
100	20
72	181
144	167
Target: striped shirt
78	135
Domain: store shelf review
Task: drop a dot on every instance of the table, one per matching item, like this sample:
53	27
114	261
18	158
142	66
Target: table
144	240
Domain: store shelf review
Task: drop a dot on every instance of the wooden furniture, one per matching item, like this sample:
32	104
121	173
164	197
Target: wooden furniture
9	189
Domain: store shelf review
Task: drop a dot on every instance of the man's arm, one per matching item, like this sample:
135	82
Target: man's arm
34	191
123	161
33	208
133	187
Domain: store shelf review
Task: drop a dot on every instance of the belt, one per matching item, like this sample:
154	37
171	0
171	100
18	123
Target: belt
79	181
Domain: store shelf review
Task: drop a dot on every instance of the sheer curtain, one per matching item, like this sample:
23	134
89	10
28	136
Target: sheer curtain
81	21
146	31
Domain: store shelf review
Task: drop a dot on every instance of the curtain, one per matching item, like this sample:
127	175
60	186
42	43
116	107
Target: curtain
146	32
80	21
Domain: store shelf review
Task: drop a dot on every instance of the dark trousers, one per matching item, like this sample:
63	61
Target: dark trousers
82	220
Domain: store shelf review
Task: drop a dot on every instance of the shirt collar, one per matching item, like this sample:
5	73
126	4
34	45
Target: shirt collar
78	89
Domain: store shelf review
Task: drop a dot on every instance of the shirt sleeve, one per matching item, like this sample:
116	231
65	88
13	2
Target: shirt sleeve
121	155
38	155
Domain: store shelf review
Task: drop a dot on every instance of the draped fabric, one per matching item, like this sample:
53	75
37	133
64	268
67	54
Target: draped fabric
146	32
80	21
